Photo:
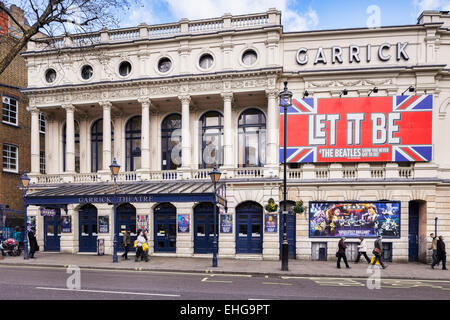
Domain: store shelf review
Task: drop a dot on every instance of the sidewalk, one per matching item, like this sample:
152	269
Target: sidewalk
299	268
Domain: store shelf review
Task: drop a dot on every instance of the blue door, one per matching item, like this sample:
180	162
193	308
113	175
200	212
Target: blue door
165	230
290	231
126	219
204	228
413	231
87	234
52	232
249	228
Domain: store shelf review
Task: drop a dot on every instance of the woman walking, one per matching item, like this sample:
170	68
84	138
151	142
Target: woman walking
341	254
362	250
126	244
140	241
377	251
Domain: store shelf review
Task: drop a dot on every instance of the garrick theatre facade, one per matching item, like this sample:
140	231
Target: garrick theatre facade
367	155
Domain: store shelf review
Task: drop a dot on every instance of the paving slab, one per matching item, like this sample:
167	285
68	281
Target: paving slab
298	268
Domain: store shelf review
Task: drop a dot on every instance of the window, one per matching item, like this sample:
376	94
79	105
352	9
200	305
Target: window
171	142
10	156
9	110
77	147
249	57
87	72
50	75
252	138
133	143
211	135
124	68
206	61
164	65
97	145
42	162
41	122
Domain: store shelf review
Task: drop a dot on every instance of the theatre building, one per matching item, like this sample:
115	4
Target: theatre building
368	133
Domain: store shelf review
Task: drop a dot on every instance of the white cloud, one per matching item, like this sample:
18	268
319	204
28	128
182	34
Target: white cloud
422	5
143	13
200	9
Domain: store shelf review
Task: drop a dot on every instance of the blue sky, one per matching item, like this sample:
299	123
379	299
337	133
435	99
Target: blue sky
297	15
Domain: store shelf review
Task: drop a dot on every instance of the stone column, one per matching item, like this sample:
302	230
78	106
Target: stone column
145	133
70	138
185	132
227	130
35	147
106	105
272	152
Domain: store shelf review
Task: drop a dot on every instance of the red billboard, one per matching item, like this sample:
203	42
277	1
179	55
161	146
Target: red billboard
367	129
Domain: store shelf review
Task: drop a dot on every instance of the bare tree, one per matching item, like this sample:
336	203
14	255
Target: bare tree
50	18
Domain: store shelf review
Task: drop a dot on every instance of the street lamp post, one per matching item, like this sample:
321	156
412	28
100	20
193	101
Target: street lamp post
25	181
285	102
115	167
215	176
435	225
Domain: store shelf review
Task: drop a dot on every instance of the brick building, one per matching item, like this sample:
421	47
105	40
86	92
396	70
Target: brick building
15	121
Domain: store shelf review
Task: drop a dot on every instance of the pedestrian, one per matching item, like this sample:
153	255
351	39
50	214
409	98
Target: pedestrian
33	242
145	246
341	254
441	254
362	250
377	251
18	236
126	244
139	243
433	247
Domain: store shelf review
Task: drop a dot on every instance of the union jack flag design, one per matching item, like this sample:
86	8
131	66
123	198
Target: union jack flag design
396	128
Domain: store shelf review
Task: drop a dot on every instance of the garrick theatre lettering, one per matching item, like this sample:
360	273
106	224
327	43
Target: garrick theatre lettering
110	199
354	53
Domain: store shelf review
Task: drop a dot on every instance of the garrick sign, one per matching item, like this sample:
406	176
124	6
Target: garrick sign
353	53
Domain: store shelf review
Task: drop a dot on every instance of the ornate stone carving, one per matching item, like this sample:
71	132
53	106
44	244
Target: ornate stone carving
227	96
185	98
68	107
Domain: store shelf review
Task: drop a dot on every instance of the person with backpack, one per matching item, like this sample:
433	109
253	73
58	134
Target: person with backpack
362	249
377	251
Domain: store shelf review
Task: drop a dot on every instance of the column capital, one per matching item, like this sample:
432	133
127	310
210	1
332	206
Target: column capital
227	96
68	107
272	93
33	109
185	98
105	104
145	101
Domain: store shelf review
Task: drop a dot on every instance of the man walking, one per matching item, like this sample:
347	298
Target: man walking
341	254
362	249
377	251
441	254
126	244
434	248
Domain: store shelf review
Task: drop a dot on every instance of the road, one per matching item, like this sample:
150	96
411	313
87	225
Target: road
17	283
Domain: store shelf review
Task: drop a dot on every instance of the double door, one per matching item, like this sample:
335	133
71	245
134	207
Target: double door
249	229
165	231
204	228
88	229
52	232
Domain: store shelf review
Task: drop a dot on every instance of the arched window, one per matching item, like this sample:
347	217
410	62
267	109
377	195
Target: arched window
77	147
252	138
97	145
133	143
171	142
211	139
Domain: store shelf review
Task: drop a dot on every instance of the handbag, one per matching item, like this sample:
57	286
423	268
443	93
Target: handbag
135	244
145	246
337	254
376	251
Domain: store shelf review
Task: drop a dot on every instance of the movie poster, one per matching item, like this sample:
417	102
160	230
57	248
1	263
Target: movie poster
103	224
183	223
354	219
66	224
142	222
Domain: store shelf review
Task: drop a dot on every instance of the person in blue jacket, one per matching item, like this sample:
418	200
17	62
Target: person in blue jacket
18	236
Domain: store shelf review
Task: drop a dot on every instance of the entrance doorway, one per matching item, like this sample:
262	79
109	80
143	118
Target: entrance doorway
87	236
52	232
249	228
290	228
165	231
126	219
417	241
204	227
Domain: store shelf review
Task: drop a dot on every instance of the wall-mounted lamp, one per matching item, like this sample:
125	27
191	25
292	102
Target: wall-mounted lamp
305	94
344	92
410	89
374	90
